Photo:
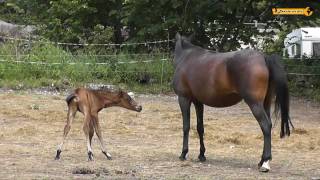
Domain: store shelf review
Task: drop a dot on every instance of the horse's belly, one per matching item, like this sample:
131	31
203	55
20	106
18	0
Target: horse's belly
221	100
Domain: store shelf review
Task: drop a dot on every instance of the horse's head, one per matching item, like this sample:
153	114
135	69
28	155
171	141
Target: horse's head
182	42
126	101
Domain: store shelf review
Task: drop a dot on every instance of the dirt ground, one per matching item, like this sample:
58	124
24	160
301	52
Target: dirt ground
146	145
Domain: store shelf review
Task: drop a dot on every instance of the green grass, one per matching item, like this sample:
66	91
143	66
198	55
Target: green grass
125	75
64	69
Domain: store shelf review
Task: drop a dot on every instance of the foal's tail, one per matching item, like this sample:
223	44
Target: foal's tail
70	98
279	79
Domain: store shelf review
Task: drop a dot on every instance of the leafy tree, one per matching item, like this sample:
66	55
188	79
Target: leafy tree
219	25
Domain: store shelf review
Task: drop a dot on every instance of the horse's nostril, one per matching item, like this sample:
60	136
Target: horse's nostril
139	108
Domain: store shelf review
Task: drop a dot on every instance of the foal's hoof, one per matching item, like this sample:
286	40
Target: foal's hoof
107	155
58	155
90	156
202	158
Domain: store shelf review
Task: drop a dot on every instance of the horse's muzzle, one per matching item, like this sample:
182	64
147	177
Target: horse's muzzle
139	108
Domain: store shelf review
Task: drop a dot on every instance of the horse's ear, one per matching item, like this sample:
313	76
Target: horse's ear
178	36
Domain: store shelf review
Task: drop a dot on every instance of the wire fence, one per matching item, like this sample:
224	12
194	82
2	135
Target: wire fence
43	62
144	63
85	44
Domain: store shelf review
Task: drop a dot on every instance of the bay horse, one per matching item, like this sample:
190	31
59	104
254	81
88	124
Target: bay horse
224	79
90	102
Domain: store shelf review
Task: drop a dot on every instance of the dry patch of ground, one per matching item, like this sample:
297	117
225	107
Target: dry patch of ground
147	144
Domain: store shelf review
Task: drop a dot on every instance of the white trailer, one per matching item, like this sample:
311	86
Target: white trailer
303	42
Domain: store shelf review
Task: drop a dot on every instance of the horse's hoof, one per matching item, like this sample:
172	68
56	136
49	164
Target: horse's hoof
107	155
265	167
182	158
202	158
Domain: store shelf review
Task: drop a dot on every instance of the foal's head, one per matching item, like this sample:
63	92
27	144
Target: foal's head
126	101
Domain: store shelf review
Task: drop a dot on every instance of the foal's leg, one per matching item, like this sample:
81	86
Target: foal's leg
184	104
91	133
86	130
265	125
99	134
72	109
200	129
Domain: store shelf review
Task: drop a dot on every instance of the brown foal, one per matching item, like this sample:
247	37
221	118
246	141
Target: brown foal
89	102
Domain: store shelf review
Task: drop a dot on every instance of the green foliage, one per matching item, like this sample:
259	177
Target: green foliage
304	77
45	64
217	24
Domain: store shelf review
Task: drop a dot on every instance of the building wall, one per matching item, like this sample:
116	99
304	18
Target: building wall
306	48
295	50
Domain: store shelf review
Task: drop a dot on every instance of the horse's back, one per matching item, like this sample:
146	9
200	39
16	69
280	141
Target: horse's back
220	79
249	74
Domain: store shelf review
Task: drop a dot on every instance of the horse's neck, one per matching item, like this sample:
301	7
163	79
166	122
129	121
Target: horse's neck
181	56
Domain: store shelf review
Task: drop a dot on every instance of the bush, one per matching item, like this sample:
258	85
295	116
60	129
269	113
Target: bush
304	77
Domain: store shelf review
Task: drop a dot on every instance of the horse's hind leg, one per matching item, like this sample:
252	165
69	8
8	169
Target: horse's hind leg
200	129
99	134
268	100
265	125
184	104
72	109
88	129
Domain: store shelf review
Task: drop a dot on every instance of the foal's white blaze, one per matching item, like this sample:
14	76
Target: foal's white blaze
266	165
131	94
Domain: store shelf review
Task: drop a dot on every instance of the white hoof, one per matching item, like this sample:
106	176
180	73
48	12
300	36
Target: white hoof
265	166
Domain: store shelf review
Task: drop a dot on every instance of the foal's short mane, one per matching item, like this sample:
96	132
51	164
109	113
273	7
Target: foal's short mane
105	90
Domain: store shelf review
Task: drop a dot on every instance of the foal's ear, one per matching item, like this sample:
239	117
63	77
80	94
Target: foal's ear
120	93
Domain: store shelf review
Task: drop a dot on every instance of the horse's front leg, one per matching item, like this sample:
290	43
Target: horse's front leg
265	125
200	129
184	104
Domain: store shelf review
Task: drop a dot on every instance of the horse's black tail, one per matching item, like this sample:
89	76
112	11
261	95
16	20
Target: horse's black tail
279	80
70	98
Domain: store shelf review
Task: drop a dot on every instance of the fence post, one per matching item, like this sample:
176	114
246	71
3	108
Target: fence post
16	47
162	60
